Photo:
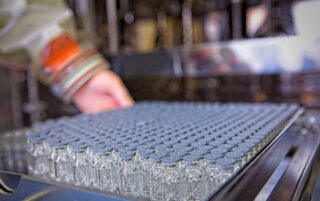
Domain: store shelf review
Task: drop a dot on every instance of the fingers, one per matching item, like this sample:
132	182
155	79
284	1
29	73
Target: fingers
108	82
100	105
93	109
105	91
90	102
121	95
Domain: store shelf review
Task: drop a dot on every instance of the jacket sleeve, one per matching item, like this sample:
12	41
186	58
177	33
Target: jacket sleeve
45	31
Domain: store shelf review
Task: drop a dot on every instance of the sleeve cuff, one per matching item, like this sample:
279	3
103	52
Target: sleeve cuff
70	79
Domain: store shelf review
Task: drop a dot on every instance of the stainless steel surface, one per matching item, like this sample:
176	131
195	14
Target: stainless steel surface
293	180
187	22
113	26
237	19
33	107
27	188
11	99
85	14
16	102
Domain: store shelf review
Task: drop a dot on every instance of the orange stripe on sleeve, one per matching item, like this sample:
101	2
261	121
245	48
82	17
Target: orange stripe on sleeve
59	51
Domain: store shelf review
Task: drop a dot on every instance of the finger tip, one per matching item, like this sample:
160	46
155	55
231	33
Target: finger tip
127	103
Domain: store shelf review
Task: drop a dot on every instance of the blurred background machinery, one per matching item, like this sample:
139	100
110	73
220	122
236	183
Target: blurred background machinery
206	50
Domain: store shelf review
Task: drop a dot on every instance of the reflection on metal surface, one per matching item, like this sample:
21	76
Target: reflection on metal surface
254	56
237	19
41	194
293	181
3	191
258	56
231	71
31	188
273	180
187	22
176	64
15	99
33	107
4	188
113	28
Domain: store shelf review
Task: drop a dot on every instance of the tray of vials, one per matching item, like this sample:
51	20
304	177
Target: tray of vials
156	150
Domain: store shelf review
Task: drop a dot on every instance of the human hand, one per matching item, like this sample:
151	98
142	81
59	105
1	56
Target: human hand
105	91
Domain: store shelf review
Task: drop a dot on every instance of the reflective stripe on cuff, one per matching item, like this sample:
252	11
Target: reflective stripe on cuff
73	77
68	94
70	64
80	70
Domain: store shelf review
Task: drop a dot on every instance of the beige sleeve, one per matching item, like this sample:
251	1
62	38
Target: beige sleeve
34	24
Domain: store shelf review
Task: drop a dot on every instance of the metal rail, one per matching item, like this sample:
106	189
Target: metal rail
300	148
28	188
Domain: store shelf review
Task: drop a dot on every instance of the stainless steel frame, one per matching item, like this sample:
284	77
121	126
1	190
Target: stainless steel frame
301	149
28	188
